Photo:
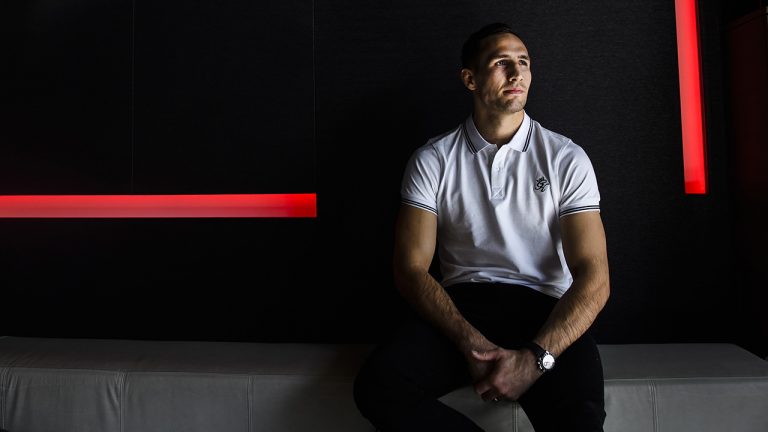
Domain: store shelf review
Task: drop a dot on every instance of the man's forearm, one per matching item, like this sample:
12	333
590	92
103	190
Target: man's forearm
575	312
431	301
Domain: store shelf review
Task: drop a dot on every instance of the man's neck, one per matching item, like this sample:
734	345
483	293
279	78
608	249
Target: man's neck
497	129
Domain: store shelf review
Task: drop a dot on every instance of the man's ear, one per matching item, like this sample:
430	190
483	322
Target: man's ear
468	78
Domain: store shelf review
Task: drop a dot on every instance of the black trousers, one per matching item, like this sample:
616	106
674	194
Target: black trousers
398	386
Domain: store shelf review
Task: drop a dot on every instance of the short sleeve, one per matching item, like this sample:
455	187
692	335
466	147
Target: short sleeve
421	179
578	183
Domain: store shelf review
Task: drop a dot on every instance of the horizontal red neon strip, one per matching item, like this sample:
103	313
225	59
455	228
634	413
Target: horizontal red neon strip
159	206
689	64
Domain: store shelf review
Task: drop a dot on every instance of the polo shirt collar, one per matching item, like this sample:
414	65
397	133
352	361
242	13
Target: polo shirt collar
519	142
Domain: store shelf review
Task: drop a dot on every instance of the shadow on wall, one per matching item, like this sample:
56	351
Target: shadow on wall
363	146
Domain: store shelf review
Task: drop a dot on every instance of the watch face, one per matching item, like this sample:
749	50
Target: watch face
547	361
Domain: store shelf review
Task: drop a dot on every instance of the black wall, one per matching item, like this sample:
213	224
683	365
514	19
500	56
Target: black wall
327	96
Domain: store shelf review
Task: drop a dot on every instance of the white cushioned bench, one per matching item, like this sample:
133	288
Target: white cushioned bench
81	385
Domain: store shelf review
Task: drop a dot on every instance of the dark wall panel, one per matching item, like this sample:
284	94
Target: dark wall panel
65	100
216	279
224	97
747	40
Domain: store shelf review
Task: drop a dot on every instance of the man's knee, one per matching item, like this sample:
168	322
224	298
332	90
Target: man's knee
380	394
364	389
582	416
576	416
374	387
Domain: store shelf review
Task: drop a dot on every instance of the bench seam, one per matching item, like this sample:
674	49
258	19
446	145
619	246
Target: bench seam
250	403
3	396
517	417
121	378
652	390
703	378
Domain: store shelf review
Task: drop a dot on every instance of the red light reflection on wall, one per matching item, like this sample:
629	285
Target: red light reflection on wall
689	64
159	206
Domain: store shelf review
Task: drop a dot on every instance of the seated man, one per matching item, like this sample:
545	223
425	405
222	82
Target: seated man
514	209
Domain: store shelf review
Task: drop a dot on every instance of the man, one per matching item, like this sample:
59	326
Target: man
514	209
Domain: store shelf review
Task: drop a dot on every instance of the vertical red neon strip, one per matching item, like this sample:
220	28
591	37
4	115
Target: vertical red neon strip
689	64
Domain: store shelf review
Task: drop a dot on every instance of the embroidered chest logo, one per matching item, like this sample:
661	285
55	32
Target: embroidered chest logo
541	184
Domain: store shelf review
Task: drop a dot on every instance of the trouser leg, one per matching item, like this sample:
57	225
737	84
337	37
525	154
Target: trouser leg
570	397
398	387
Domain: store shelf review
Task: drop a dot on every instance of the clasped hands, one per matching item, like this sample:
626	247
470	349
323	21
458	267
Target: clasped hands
500	373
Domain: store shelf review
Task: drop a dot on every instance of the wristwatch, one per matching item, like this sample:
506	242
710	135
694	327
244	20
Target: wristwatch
544	359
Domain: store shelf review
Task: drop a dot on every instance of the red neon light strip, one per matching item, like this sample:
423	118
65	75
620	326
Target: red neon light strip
689	64
159	206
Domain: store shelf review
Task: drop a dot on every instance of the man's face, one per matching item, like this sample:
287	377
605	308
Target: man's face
502	75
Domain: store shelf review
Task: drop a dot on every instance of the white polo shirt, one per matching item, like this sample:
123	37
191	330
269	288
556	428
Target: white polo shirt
498	209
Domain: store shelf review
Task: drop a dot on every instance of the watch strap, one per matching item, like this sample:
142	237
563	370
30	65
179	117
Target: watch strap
540	353
537	350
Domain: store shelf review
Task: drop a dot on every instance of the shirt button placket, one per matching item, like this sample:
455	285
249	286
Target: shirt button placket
497	179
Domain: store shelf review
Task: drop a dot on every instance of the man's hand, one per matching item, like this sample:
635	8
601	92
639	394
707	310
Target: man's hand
479	369
512	372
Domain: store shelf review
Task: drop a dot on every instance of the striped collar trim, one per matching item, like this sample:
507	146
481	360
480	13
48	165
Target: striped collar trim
520	141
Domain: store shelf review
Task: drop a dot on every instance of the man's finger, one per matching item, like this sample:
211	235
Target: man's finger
482	387
485	355
491	396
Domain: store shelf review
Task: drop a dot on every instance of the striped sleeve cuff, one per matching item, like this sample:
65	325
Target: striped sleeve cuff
419	205
579	210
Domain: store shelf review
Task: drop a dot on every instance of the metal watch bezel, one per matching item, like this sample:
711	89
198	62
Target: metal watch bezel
546	361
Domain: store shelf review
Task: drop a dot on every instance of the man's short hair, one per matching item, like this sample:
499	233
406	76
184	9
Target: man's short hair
471	49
